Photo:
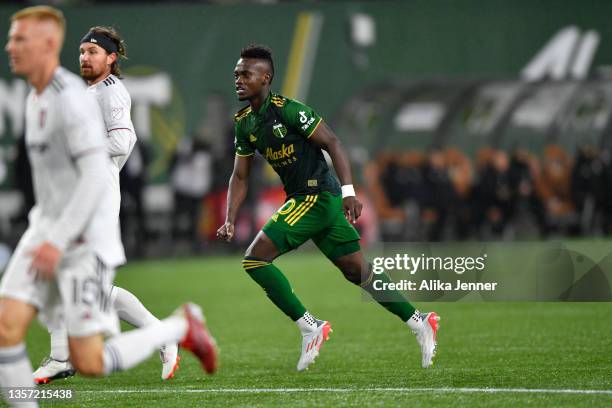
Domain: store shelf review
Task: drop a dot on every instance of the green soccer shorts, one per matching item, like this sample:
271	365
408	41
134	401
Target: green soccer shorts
319	217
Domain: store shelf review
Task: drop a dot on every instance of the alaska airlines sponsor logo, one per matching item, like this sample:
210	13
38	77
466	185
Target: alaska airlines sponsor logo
283	153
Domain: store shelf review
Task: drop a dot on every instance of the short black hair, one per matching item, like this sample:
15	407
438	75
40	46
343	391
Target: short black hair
258	51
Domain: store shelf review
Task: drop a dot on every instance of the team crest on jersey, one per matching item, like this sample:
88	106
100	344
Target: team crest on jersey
279	130
252	138
116	113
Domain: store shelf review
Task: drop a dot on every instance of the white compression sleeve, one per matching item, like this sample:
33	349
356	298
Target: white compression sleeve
120	144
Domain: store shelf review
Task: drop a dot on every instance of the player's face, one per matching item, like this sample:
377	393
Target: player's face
95	62
26	50
251	75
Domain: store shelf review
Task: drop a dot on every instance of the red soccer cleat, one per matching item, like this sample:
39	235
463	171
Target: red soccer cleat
198	340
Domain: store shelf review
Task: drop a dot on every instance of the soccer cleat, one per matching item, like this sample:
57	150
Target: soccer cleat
312	342
426	337
51	369
170	360
198	340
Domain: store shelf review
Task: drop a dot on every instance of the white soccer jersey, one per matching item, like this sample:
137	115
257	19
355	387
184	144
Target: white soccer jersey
63	123
116	104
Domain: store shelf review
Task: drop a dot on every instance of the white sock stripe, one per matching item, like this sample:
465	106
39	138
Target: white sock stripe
118	358
12	357
115	359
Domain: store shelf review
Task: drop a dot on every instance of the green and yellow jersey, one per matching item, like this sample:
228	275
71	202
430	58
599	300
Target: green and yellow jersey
280	133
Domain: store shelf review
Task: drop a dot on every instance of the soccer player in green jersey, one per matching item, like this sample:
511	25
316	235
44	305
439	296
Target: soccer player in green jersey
291	137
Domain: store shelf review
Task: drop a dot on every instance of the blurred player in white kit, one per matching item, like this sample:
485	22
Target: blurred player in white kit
63	267
100	50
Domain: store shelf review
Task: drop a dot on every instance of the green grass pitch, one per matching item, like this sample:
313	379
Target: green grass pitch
372	358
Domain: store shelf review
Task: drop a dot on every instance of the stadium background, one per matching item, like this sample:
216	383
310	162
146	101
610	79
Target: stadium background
427	96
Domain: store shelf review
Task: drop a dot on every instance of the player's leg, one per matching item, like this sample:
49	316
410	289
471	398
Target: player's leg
84	287
340	243
359	272
57	364
92	356
293	224
21	296
258	264
130	309
15	367
424	325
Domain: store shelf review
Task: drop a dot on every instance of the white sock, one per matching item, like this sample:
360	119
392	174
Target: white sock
15	371
130	309
415	322
127	349
306	323
59	344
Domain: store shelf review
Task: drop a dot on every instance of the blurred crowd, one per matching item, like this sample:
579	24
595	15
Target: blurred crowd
438	195
443	194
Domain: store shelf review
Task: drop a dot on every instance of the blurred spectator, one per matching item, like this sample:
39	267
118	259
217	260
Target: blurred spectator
586	184
604	192
523	168
191	177
439	195
23	181
493	198
132	217
554	187
395	186
461	177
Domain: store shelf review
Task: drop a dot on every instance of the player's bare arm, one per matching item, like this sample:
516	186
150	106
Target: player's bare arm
238	186
326	139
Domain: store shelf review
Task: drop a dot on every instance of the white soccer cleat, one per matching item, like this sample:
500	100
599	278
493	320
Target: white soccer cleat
170	360
426	337
312	342
51	369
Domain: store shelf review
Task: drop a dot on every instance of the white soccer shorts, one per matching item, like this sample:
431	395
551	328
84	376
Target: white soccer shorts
80	292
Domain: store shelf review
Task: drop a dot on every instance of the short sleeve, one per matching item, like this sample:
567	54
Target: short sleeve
116	109
301	117
242	145
83	124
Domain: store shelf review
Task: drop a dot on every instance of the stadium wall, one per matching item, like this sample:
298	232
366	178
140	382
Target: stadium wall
182	55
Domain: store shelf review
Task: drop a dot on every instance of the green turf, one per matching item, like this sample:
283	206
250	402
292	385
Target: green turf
497	345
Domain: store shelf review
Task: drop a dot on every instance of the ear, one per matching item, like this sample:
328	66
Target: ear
51	42
110	58
267	76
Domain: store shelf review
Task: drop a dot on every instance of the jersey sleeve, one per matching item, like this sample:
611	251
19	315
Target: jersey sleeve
301	117
83	125
116	109
242	145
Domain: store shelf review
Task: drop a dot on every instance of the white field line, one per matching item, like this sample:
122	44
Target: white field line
346	390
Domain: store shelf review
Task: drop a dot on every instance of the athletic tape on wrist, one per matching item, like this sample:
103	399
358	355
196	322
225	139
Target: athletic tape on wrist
348	191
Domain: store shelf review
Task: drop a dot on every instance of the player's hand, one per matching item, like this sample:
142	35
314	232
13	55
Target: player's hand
45	260
226	232
352	208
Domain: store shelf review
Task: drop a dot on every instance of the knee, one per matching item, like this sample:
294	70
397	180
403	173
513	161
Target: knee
87	363
10	333
250	263
88	366
352	271
12	329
